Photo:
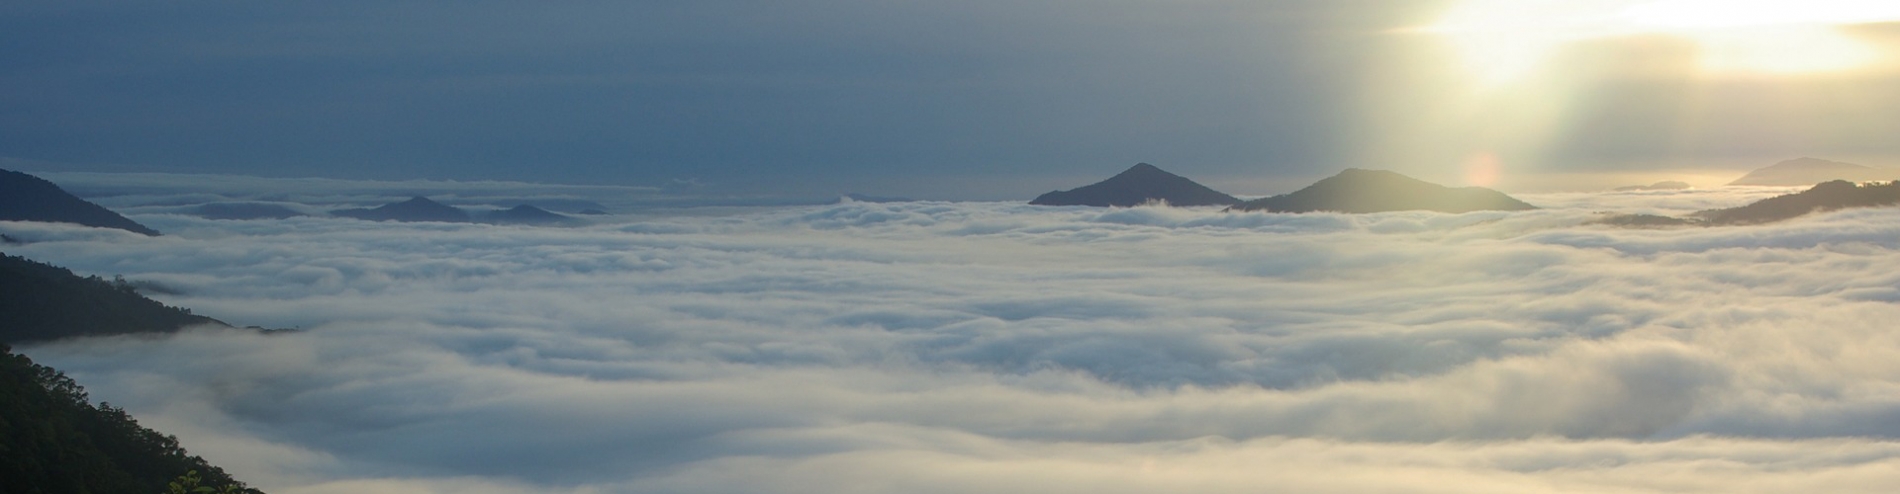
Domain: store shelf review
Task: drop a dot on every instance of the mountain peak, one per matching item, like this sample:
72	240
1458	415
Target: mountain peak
415	209
1145	168
1139	184
1144	171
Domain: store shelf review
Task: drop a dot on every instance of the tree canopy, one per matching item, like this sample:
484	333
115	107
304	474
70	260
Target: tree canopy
41	302
55	441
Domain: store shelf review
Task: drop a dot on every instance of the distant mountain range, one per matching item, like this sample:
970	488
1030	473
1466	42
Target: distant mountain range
1143	183
25	197
1377	191
424	209
1810	171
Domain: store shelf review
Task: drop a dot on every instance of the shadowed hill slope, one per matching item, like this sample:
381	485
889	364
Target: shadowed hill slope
25	197
1378	191
41	302
1141	184
1826	196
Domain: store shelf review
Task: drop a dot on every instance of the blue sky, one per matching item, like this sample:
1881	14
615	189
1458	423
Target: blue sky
979	99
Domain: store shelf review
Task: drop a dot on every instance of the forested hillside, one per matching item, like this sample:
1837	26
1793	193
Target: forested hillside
42	302
54	441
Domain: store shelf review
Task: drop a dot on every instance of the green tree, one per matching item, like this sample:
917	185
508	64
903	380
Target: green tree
189	483
53	440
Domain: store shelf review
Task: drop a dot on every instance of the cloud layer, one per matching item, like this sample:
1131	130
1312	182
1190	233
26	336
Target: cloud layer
959	347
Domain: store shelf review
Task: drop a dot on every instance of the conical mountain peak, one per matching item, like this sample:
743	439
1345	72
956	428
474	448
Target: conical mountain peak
1140	184
1143	168
415	209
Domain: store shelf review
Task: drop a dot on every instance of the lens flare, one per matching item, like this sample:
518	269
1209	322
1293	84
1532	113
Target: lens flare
1483	169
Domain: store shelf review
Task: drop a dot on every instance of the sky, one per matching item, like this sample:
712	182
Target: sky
982	99
1001	347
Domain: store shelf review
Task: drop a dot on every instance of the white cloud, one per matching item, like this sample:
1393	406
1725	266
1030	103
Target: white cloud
937	347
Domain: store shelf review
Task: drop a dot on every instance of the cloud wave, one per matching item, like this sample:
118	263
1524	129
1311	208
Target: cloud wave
956	347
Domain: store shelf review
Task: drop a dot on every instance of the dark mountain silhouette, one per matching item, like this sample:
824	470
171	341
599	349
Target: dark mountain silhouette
244	211
1144	183
1810	171
1667	185
526	215
25	197
1826	196
41	302
414	209
56	440
1377	191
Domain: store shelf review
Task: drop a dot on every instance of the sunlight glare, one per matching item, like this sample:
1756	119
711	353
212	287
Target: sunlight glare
1676	15
1504	40
1783	50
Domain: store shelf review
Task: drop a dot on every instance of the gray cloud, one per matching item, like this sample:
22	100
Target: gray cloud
990	346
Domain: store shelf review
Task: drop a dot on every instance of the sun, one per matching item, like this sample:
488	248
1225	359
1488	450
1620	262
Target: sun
1503	40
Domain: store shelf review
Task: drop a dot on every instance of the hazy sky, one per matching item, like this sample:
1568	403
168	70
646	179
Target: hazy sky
969	99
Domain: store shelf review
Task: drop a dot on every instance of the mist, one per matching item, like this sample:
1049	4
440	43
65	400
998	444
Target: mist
956	347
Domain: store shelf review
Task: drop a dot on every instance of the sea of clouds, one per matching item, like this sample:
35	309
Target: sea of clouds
997	347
